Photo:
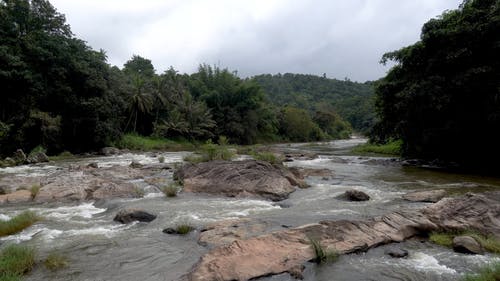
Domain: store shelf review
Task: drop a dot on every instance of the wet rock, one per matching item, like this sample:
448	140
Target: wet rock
170	230
355	195
470	212
130	215
225	232
431	196
467	245
37	157
136	165
9	162
18	196
19	157
3	190
93	165
396	252
282	251
316	172
108	151
248	178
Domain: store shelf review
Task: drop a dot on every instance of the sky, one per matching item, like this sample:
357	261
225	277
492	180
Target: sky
341	38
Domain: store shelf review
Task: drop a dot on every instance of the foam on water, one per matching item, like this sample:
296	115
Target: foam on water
86	210
424	262
4	217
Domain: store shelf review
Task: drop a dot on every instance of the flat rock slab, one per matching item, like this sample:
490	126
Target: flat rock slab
431	196
248	178
285	251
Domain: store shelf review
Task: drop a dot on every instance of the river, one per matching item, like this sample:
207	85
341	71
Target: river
100	249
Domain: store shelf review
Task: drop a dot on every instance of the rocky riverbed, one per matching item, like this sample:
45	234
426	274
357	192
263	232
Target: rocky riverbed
80	198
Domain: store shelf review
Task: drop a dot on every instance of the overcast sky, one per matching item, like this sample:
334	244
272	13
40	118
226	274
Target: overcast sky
342	38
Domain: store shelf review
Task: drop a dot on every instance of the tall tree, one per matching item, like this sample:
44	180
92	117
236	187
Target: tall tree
442	98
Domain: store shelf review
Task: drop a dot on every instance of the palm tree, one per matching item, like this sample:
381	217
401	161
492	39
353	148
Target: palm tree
139	102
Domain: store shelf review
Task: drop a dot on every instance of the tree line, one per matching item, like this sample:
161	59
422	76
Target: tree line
60	94
442	98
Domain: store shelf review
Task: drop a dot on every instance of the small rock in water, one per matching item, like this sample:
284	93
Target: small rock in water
170	231
396	252
355	195
136	165
19	157
467	245
93	165
130	215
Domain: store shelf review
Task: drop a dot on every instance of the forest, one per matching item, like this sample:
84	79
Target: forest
442	98
60	94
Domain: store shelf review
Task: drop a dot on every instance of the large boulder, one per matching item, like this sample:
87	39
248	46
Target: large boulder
284	251
37	157
467	245
480	212
130	215
19	157
108	151
431	196
248	178
19	196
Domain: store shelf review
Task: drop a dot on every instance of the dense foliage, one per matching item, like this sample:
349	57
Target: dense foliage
442	98
59	94
351	100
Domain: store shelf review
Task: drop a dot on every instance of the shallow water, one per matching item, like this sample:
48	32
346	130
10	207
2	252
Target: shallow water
100	249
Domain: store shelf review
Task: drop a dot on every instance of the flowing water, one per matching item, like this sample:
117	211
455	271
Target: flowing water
100	249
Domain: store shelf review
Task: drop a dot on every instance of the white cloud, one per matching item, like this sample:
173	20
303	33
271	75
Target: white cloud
340	38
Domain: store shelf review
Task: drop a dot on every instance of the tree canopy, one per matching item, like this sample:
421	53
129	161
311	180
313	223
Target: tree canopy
442	98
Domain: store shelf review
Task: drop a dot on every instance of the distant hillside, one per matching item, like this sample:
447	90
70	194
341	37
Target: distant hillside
352	100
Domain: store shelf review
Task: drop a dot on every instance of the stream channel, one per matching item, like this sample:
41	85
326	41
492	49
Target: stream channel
100	249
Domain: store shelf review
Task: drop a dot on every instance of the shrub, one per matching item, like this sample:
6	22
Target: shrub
390	148
55	261
161	159
18	223
16	260
322	255
170	190
34	191
139	192
490	272
183	229
62	156
137	142
268	157
209	152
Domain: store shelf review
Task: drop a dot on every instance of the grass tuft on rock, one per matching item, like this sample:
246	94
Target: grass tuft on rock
490	272
34	191
321	254
55	261
183	229
16	260
268	157
18	223
489	243
170	190
210	152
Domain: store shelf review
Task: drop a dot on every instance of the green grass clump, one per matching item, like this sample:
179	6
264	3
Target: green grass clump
488	273
15	261
183	229
55	261
209	152
170	190
391	148
161	159
268	157
65	155
489	243
137	142
34	190
18	223
322	255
